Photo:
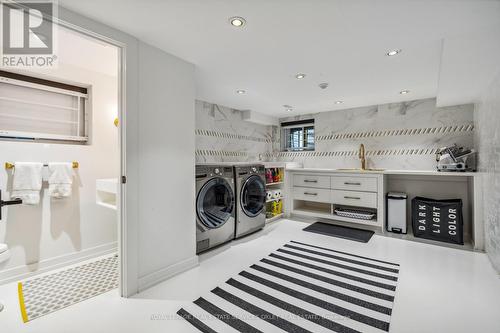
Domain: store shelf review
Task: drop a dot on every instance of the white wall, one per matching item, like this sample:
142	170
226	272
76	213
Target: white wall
222	135
167	234
487	117
60	230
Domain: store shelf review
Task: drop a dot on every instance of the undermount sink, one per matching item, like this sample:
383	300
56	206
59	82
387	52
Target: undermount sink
359	169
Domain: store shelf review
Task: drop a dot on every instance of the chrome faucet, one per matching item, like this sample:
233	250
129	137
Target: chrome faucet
362	156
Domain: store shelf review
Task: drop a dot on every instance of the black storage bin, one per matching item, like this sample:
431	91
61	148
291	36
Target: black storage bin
440	220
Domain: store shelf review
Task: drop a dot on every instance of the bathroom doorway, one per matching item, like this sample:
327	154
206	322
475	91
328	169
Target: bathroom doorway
54	233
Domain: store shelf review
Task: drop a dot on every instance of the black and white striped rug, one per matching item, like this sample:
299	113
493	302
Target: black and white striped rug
301	288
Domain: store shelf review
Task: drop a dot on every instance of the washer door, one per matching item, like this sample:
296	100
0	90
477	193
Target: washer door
215	203
253	196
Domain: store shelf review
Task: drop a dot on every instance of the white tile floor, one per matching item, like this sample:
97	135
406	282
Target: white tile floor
439	289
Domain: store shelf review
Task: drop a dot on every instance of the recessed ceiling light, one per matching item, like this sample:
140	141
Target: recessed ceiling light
240	91
288	107
323	85
237	21
404	92
300	76
393	52
339	102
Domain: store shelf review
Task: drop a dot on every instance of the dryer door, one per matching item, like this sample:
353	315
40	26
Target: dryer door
215	203
253	196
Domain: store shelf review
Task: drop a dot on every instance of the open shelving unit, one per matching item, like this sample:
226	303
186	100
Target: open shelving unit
327	211
445	186
275	206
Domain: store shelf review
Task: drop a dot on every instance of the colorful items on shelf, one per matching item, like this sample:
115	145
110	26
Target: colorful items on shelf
269	176
269	195
275	208
274	175
273	194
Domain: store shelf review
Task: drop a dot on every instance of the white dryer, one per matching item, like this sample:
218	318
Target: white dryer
250	188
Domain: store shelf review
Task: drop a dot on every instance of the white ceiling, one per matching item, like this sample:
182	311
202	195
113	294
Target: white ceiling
342	42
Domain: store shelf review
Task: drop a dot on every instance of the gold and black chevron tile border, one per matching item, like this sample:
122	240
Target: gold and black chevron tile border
442	130
225	135
354	153
224	153
338	153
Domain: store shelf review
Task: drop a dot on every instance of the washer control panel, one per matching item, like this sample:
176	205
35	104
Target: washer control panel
203	171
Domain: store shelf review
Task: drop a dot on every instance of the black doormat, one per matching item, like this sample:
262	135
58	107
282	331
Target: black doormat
358	235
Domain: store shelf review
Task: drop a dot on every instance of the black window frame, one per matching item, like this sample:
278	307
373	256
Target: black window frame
305	139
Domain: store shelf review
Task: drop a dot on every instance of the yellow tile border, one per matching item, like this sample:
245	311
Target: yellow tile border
21	302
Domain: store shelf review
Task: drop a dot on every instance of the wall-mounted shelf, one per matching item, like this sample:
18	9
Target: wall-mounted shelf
4	256
275	199
106	192
276	183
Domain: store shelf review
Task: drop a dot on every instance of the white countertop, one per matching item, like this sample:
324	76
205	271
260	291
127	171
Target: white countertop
389	172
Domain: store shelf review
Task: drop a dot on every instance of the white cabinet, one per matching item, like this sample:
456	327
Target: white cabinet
320	194
354	198
354	183
311	180
311	194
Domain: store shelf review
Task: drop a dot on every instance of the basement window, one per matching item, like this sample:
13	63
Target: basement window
297	135
32	108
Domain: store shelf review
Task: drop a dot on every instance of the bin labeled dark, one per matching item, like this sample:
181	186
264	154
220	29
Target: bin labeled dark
440	220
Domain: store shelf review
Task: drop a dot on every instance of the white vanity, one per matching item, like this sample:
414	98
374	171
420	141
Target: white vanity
323	193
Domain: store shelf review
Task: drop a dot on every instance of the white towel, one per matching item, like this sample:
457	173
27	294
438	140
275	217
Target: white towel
27	182
60	179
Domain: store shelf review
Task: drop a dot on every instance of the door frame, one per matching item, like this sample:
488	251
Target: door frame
121	194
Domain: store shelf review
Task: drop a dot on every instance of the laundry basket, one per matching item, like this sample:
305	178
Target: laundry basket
440	220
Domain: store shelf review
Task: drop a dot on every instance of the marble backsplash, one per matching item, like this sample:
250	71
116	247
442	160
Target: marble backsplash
396	136
223	136
487	117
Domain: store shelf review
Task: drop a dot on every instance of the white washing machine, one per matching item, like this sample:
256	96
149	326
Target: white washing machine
250	188
215	206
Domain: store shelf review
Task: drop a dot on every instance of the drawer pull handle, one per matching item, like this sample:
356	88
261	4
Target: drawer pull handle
310	181
308	193
353	198
351	183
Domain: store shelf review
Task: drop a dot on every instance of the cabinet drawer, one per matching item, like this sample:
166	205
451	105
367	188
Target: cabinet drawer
354	198
354	183
311	194
311	181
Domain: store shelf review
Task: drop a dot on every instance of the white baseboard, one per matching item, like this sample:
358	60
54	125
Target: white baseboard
26	271
163	274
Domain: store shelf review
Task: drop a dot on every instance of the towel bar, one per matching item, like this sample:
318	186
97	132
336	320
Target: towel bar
9	165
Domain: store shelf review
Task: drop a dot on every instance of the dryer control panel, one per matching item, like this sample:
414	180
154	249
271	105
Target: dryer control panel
250	170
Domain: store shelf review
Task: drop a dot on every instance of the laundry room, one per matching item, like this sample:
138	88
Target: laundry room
250	166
